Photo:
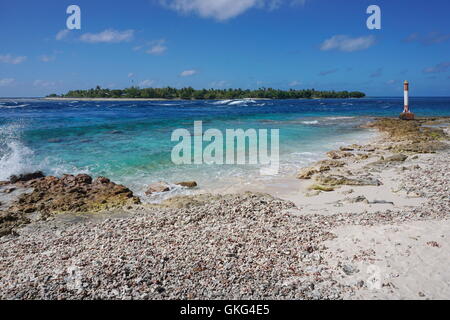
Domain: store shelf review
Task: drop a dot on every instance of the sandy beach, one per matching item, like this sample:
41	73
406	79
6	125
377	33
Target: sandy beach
369	222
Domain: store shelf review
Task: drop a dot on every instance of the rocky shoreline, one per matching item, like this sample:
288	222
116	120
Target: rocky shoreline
234	246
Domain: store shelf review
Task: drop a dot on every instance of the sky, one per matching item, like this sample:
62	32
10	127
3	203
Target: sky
320	44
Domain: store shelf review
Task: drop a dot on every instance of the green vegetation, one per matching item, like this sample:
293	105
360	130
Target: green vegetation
208	94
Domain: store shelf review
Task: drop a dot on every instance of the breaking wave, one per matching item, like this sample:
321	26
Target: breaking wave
15	157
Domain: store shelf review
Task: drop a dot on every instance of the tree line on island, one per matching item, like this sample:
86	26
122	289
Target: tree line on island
190	93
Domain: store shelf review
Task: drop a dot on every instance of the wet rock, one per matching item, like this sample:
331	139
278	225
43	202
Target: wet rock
187	184
26	177
9	221
101	180
339	154
306	173
71	193
336	180
9	190
321	188
362	156
157	188
331	163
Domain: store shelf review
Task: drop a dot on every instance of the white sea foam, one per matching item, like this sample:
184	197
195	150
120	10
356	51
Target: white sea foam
241	102
237	102
222	102
13	106
15	158
310	122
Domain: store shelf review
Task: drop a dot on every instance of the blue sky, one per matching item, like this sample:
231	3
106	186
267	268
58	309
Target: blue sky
321	44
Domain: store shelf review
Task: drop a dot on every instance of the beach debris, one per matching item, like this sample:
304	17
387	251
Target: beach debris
187	184
357	199
349	191
433	244
349	269
157	187
381	202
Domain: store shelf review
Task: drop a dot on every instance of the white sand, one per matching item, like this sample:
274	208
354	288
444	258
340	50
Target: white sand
404	262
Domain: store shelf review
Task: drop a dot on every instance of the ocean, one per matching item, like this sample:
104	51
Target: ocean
130	141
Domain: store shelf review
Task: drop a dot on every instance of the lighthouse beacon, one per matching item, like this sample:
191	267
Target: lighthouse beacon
406	114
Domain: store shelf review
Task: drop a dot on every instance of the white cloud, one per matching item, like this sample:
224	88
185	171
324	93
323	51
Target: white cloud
391	82
157	48
6	82
223	9
62	34
347	44
188	73
147	83
7	58
131	75
108	36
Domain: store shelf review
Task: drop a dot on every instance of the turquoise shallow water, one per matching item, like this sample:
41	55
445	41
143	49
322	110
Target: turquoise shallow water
130	141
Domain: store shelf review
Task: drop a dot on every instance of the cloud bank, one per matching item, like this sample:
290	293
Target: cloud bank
224	9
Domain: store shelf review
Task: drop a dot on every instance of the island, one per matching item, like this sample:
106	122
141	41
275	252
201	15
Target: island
190	93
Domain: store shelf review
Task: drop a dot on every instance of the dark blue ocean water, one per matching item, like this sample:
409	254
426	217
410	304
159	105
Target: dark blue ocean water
130	141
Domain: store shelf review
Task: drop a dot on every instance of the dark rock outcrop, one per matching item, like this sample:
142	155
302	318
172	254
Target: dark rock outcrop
71	193
9	221
157	187
26	177
187	184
